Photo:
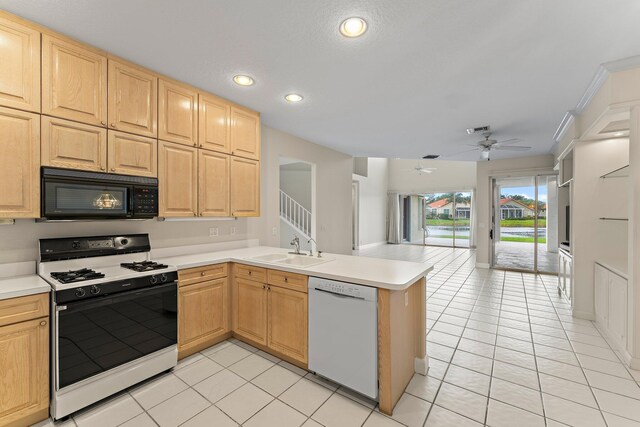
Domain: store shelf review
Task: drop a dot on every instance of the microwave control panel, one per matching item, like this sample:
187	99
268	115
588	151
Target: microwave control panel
145	201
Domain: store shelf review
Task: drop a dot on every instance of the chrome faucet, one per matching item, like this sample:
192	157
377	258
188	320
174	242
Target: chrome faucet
296	242
311	247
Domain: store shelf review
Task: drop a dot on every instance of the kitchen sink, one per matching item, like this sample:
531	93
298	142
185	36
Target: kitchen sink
292	260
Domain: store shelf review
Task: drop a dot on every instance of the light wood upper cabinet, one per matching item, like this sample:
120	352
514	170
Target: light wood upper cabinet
214	119
19	164
250	310
288	321
24	395
213	183
20	66
74	81
203	313
177	180
245	187
132	154
71	145
133	99
178	113
245	133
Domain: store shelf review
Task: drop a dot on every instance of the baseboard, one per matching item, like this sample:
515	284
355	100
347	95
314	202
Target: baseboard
482	265
421	365
585	315
627	359
370	245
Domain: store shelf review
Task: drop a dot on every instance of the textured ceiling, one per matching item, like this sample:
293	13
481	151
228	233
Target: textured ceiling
424	72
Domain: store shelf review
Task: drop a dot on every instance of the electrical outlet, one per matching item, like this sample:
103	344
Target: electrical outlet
233	230
213	231
406	299
274	231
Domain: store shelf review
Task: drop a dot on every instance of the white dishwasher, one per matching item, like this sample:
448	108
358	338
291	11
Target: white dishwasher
343	334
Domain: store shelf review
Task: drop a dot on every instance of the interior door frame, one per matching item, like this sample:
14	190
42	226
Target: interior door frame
355	215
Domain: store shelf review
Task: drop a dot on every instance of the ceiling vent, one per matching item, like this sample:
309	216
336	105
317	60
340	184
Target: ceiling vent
431	156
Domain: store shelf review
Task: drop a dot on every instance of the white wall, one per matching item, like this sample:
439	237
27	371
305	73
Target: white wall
449	176
19	242
295	180
372	206
332	187
502	168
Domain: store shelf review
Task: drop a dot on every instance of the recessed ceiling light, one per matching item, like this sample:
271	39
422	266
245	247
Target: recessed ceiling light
243	80
618	134
293	97
353	27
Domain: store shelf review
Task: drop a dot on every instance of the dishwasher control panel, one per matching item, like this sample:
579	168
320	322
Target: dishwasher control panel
342	288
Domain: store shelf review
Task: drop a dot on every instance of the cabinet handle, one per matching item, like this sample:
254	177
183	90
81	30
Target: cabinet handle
286	279
195	145
103	168
103	122
264	287
202	273
43	323
113	169
269	288
113	125
200	145
249	273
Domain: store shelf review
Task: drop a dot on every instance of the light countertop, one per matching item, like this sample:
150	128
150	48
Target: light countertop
19	286
375	272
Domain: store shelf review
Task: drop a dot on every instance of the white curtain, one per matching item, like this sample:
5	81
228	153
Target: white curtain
394	229
472	223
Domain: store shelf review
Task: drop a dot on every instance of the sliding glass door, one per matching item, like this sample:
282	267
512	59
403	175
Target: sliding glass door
525	228
437	219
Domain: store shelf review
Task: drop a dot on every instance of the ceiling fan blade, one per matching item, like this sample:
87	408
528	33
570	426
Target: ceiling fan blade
512	148
509	141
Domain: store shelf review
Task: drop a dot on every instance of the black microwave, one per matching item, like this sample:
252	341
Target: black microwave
79	195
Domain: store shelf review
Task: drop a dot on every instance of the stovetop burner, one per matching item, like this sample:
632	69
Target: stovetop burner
76	275
141	266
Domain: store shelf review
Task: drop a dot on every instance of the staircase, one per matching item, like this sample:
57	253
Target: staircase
294	214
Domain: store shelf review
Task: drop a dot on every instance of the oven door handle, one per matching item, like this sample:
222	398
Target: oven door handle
111	299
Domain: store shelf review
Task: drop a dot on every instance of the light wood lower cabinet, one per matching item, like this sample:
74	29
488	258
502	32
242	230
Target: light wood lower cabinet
250	310
271	316
132	154
71	145
19	164
611	299
24	364
177	180
288	322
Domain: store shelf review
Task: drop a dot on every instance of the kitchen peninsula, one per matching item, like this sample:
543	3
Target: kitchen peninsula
245	298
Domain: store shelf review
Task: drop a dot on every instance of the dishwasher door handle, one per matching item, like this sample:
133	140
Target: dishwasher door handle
337	294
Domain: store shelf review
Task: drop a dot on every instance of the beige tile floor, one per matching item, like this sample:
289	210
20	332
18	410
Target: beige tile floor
504	352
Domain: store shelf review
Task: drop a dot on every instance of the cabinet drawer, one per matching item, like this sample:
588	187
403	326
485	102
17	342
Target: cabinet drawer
284	279
19	309
201	274
257	274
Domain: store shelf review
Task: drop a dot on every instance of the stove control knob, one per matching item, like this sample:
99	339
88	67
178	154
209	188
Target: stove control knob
154	280
80	292
95	290
163	278
75	245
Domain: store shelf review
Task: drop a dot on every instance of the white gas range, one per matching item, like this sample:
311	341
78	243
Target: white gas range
114	317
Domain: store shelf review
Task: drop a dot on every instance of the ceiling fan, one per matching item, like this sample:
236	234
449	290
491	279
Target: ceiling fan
419	169
487	145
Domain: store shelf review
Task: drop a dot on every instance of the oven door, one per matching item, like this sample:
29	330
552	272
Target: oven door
102	333
71	199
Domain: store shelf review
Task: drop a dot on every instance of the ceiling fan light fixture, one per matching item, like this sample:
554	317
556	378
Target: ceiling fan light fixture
485	154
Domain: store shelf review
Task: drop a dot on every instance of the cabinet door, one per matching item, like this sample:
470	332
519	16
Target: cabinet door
74	81
19	164
178	114
177	180
20	70
72	145
213	183
250	310
25	371
203	313
132	154
618	308
245	133
288	320
245	187
133	99
601	285
213	120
